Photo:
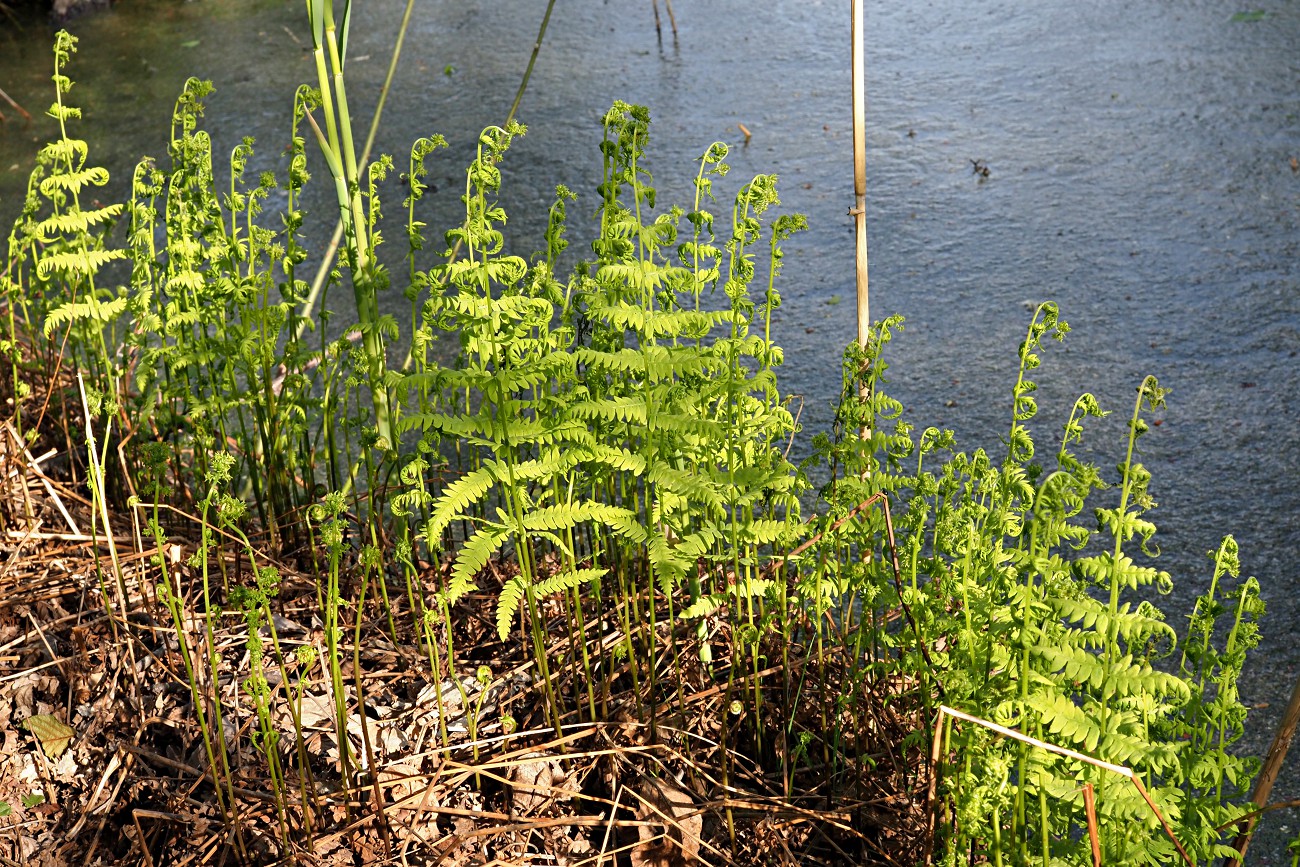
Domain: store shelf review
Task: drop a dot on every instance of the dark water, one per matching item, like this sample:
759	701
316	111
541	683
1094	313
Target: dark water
1140	173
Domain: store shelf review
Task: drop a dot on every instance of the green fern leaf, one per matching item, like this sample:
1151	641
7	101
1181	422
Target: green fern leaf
95	176
474	555
618	458
688	485
75	222
507	604
567	581
457	498
72	151
628	410
562	517
95	311
185	281
751	588
83	263
704	606
1064	718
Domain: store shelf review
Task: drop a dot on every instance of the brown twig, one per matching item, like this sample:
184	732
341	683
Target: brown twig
18	108
1090	810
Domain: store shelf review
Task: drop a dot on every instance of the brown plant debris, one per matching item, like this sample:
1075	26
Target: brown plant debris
102	758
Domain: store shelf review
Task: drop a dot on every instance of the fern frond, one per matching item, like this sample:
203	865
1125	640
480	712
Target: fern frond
1124	526
699	543
457	498
75	222
567	581
507	604
191	281
84	263
666	563
1129	574
1133	626
618	458
72	151
750	588
474	555
629	410
685	484
767	531
507	270
556	463
1067	720
622	361
450	425
704	606
703	428
72	182
95	311
688	324
567	515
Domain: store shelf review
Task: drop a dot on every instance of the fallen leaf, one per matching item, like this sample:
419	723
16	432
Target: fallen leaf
678	844
54	735
532	784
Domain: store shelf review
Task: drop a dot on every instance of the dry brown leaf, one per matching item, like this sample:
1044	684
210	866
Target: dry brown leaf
401	781
532	784
665	800
22	695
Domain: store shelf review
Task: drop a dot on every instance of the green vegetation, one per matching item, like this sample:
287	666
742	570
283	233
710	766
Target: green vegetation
602	471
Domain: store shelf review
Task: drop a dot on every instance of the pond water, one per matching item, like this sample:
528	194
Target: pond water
1141	172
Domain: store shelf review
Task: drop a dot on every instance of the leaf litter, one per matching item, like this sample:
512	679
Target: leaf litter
102	759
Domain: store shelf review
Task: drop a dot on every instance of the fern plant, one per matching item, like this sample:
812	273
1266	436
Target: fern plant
610	442
61	244
606	430
1215	779
1013	610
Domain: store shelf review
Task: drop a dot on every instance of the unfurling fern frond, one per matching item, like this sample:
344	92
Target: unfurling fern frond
73	181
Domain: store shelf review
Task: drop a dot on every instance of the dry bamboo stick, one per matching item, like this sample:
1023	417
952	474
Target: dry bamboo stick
859	211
